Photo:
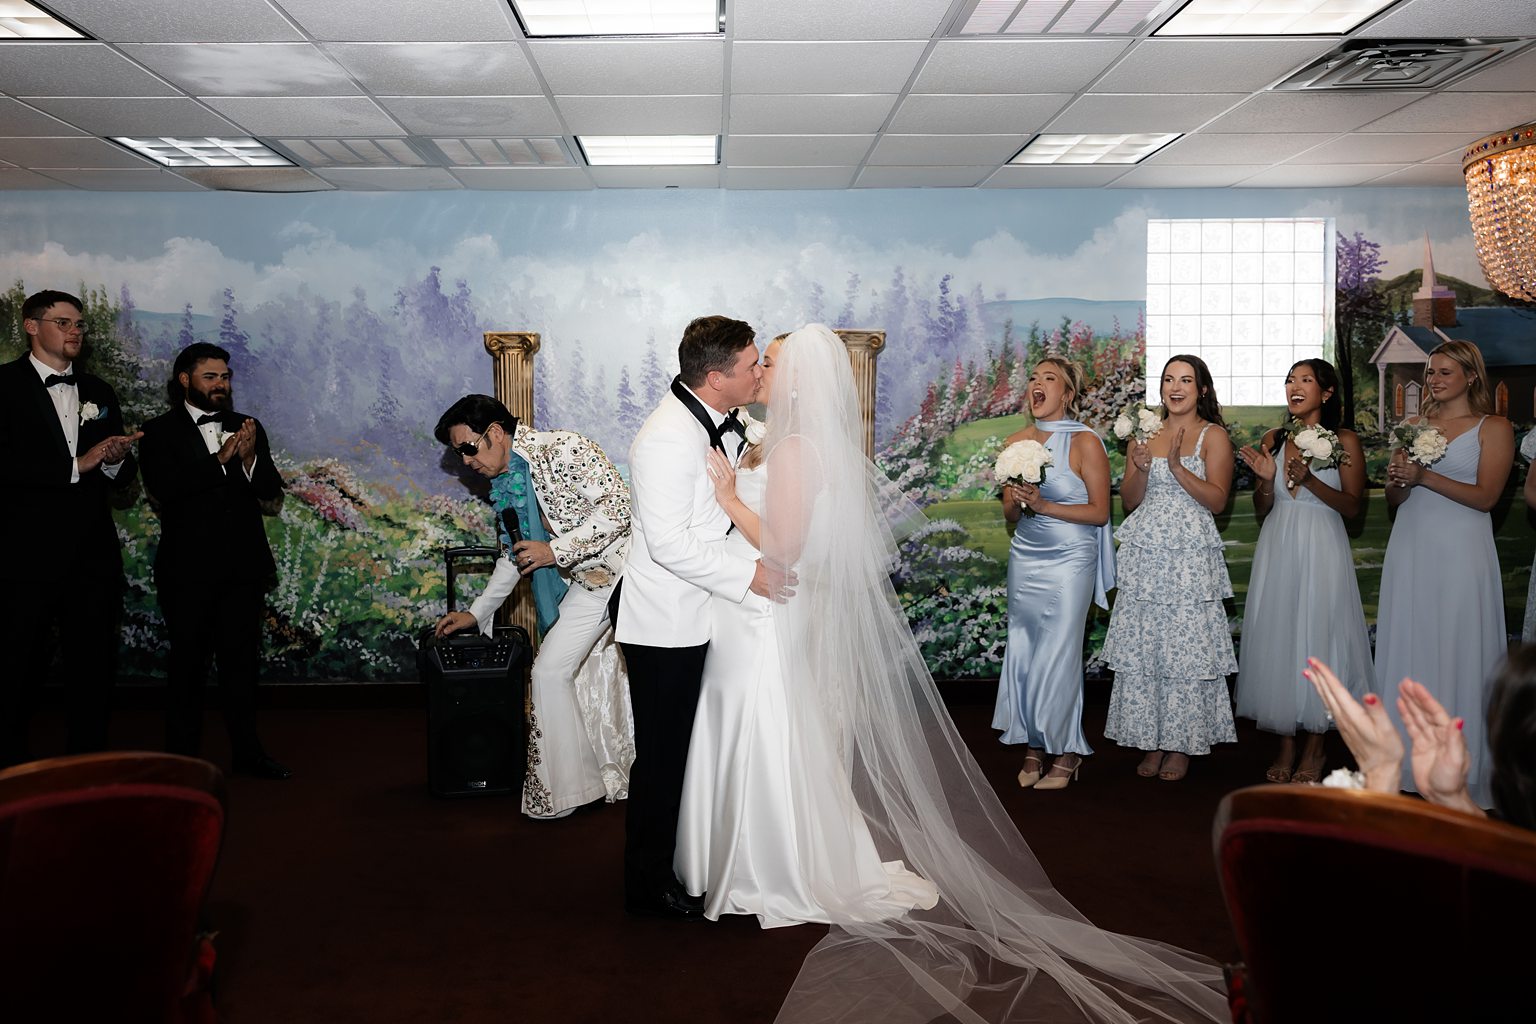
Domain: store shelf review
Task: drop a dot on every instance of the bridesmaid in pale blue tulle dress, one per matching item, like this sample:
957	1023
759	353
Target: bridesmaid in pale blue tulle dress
1168	640
1303	598
1440	619
1061	558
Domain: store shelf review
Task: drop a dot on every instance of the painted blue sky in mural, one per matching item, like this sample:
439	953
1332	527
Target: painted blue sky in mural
342	305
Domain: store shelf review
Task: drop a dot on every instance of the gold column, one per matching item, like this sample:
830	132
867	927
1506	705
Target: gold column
512	362
863	347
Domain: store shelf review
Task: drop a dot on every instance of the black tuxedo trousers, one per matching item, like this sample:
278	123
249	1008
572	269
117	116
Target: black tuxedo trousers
664	685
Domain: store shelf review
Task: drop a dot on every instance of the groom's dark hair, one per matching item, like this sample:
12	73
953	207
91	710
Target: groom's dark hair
711	343
477	412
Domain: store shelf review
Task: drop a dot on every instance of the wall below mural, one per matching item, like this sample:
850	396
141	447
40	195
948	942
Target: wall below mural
354	320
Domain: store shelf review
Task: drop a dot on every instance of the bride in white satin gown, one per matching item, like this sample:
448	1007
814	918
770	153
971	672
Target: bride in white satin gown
827	783
762	777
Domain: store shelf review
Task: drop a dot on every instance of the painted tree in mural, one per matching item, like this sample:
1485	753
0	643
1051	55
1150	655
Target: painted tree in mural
1360	311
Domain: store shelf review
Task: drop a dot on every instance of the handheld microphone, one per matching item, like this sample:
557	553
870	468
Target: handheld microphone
514	528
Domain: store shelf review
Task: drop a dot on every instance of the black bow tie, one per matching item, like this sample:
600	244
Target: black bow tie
57	378
211	417
732	422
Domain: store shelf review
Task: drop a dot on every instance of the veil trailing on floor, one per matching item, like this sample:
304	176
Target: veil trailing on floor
1001	944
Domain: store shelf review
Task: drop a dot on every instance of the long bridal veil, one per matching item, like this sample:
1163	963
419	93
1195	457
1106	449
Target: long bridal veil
1001	944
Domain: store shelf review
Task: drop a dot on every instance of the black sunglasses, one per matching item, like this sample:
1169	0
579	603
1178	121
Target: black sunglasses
469	449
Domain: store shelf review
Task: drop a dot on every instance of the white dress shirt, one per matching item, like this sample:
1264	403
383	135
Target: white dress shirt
66	402
211	432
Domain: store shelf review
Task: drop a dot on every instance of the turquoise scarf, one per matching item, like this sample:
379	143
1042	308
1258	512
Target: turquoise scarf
514	489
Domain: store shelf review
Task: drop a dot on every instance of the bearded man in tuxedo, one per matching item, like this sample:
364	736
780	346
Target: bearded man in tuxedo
207	472
63	455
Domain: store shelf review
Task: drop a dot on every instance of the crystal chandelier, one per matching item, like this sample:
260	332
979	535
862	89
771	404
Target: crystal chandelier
1501	197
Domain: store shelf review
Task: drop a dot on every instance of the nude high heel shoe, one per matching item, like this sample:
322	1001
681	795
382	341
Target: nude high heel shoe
1028	777
1061	781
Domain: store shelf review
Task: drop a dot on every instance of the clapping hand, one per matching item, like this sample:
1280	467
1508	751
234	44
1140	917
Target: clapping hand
1367	730
108	451
1297	469
1259	461
1438	751
1140	455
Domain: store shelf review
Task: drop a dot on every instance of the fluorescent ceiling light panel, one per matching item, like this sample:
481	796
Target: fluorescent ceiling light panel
533	152
618	17
1093	149
205	152
1270	17
354	152
1071	17
650	150
20	20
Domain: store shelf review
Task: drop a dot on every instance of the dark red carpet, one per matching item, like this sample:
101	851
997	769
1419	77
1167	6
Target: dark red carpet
348	894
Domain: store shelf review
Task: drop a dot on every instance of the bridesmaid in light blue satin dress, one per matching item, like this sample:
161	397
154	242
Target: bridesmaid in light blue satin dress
1440	620
1062	557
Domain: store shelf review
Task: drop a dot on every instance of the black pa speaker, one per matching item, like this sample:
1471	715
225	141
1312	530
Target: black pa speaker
476	732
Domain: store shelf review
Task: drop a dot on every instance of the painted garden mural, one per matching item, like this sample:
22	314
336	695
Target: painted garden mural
354	320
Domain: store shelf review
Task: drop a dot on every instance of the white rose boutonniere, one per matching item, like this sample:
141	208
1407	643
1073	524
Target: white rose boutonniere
91	411
756	429
224	436
1022	462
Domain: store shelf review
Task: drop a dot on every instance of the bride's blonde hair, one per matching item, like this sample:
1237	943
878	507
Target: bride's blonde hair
754	456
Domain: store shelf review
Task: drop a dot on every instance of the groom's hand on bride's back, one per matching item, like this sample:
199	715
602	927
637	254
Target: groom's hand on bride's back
774	584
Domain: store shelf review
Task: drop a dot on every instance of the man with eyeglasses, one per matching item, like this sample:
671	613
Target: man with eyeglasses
64	455
572	509
209	475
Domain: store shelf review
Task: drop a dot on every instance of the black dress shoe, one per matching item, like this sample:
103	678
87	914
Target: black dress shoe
672	903
261	767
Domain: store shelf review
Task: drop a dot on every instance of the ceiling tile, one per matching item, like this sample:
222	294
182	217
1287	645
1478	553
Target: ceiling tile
390	179
1145	175
656	177
818	19
1018	176
937	150
1425	175
171	115
920	177
1309	111
1236	149
255	179
1455	19
1210	65
177	21
1099	112
976	114
404	21
438	69
474	115
523	178
1318	176
152	180
18	119
824	67
246	69
1478	112
74	69
796	150
610	67
641	115
14	180
327	116
1512	74
1016	65
789	177
1387	148
82	152
805	115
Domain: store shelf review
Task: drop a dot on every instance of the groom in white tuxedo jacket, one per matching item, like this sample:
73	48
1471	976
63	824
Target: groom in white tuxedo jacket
677	560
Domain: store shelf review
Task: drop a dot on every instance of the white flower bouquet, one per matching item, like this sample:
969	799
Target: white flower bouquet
1022	462
1423	443
1139	422
1319	446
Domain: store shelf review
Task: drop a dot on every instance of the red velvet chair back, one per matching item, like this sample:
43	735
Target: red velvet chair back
1358	906
105	860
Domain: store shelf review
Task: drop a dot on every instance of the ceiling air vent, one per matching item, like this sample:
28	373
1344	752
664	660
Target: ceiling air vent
1415	64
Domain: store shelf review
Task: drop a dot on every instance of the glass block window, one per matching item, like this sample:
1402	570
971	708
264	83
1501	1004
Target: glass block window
1249	296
